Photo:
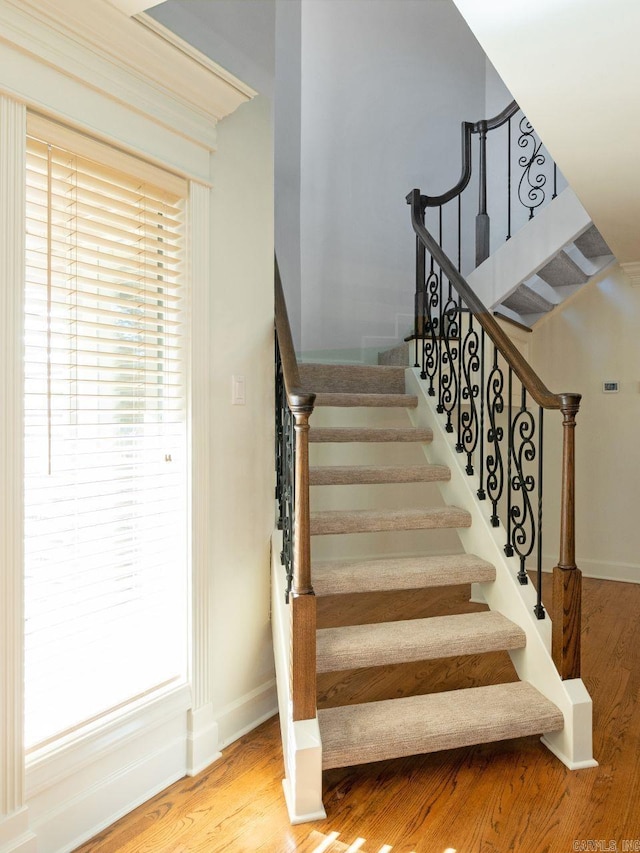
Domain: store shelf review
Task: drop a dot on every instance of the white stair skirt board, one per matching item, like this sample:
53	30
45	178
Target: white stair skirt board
573	745
559	223
300	740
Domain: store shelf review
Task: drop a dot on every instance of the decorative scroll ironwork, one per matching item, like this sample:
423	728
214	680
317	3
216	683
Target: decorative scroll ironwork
472	367
531	185
469	423
285	472
431	330
522	483
495	435
449	354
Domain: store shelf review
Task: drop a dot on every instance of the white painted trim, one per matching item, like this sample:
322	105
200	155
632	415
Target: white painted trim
301	743
70	815
533	663
244	714
203	731
192	52
606	570
100	37
52	765
132	7
559	223
14	832
16	835
632	271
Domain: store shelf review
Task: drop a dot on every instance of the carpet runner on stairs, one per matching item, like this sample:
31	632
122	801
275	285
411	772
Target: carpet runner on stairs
392	728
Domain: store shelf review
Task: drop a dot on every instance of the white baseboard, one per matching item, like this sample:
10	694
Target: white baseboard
203	738
81	787
15	835
606	570
247	712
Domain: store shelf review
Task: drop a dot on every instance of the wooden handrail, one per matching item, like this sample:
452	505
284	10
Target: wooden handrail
468	128
567	584
303	603
298	397
520	366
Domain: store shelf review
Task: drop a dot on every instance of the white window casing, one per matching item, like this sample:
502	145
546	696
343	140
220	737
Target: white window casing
72	65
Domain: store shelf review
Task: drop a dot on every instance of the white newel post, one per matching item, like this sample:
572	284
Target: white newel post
202	748
14	828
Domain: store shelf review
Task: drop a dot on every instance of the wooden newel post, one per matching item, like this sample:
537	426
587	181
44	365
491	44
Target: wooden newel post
303	602
567	578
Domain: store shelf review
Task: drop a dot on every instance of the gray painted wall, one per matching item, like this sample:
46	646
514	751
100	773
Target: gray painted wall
368	99
385	85
240	36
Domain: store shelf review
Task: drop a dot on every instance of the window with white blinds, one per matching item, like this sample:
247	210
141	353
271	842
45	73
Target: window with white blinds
105	432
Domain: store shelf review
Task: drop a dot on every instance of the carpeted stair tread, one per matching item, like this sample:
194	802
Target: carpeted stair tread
346	576
410	640
353	378
344	400
524	300
345	475
374	520
562	271
369	434
592	244
376	731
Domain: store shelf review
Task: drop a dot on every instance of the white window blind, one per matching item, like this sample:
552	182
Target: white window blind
105	435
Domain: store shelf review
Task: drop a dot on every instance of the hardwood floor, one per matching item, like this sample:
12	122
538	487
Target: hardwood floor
494	798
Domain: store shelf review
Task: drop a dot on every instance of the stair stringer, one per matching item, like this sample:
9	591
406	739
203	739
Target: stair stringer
534	664
301	744
517	262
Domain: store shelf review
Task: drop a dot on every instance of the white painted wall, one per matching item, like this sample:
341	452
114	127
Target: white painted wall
241	38
242	436
593	338
385	86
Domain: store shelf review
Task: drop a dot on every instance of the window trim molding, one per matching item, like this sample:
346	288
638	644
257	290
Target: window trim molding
60	73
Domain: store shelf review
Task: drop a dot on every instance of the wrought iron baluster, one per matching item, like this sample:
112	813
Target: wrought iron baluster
289	495
539	609
420	287
508	179
523	536
449	356
508	548
459	445
431	330
495	434
469	429
459	232
279	435
531	185
555	181
482	495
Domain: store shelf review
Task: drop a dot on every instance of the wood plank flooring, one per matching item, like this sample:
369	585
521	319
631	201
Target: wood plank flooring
494	798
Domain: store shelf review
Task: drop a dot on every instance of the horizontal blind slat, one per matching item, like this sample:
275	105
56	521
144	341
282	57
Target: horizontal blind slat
105	456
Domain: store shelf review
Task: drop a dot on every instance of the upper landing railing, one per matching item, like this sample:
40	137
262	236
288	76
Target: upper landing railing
515	177
492	399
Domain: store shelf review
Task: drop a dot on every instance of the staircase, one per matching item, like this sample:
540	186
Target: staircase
544	264
373	731
393	479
